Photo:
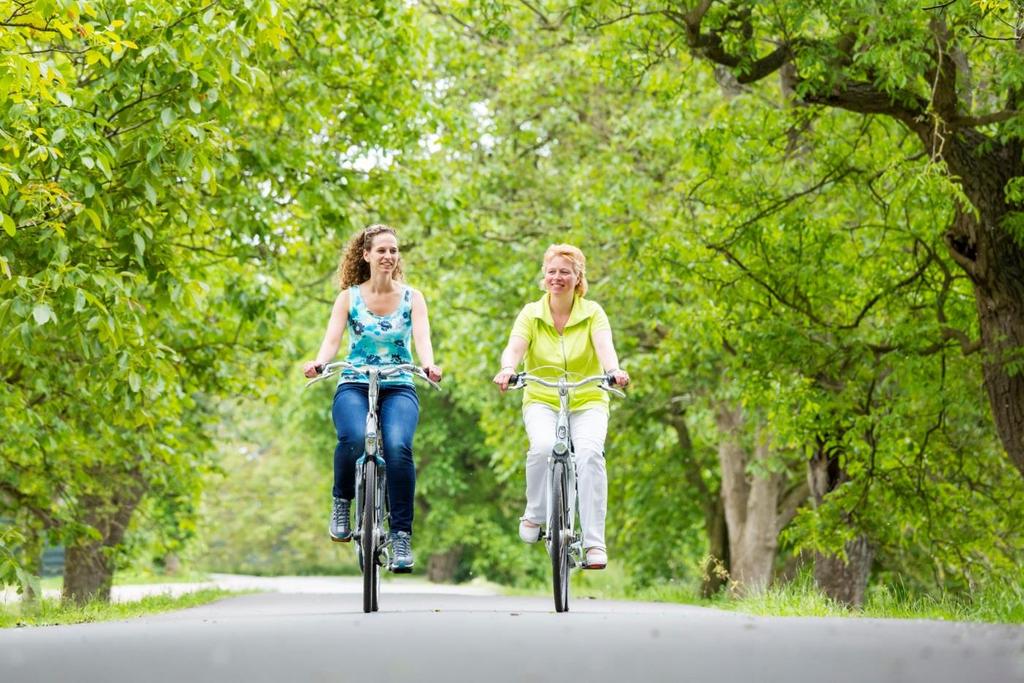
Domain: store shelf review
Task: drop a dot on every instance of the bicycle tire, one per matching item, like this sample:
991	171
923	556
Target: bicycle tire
559	547
368	540
382	517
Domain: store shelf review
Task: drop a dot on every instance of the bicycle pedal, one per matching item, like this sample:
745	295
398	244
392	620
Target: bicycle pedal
400	570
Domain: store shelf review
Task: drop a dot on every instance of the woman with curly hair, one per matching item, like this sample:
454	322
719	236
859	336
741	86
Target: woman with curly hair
381	315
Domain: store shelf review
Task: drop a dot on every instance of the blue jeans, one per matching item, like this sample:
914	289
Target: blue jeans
399	412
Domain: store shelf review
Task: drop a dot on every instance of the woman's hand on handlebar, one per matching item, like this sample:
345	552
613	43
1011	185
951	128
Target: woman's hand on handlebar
503	377
619	377
433	372
312	369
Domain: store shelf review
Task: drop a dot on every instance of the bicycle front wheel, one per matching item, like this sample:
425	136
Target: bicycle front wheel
559	547
368	538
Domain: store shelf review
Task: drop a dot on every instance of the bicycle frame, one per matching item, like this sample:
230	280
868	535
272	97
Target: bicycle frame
563	451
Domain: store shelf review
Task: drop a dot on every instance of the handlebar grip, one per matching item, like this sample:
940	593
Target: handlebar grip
515	380
319	367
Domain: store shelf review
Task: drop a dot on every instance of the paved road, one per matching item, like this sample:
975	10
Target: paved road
441	636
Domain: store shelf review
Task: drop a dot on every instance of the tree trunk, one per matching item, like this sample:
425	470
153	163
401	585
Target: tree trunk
983	246
89	564
844	581
996	266
750	504
717	566
754	553
443	567
32	554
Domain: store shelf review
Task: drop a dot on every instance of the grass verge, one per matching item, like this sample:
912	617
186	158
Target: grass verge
47	612
996	603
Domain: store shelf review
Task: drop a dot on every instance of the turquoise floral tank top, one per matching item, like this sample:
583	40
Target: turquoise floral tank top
378	339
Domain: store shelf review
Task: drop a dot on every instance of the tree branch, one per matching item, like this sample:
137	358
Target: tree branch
864	98
943	75
984	120
791	503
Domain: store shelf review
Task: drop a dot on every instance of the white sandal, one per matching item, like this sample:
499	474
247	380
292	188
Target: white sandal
597	558
528	531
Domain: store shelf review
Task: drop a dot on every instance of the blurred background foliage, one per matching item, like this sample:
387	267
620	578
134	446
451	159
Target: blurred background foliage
809	365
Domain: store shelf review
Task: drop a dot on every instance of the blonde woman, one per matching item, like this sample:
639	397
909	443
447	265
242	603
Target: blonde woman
562	333
381	315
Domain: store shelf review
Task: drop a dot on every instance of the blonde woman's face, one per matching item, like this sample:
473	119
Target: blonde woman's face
383	252
559	276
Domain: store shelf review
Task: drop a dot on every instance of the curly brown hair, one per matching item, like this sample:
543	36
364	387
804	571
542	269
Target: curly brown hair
352	268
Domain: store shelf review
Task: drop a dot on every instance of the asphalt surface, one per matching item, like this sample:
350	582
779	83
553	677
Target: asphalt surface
471	636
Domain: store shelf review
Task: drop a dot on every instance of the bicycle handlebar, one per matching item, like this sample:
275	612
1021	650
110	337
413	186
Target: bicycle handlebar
606	383
383	371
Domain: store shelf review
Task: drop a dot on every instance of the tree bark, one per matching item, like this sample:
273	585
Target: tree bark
88	562
750	504
994	261
844	581
717	563
717	566
444	567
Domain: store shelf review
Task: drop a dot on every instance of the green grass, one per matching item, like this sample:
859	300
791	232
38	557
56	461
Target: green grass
1000	603
613	584
47	612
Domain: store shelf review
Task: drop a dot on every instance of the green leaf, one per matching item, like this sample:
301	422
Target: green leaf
154	150
9	227
101	163
194	105
42	313
94	217
167	116
134	381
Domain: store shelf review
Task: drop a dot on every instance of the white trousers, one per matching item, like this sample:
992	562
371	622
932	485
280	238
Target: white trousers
588	429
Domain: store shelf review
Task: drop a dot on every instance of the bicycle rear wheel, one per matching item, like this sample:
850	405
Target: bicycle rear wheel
559	543
368	538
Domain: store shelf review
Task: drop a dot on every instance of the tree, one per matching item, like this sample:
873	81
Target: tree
148	195
950	74
779	258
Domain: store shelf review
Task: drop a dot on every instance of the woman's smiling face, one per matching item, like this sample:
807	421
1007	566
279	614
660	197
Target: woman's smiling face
559	276
383	252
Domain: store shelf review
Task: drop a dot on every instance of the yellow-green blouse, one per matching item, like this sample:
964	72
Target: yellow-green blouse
572	351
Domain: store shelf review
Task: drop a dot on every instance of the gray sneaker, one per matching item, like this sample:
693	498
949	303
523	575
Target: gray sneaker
340	528
401	552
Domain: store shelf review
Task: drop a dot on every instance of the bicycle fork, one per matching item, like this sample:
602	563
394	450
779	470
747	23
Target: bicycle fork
572	540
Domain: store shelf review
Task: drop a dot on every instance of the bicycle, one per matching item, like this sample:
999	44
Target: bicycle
563	538
370	533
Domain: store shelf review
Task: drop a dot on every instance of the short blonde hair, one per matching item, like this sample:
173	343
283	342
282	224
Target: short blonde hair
575	257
